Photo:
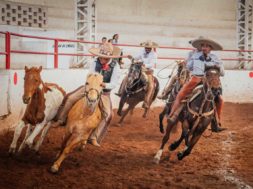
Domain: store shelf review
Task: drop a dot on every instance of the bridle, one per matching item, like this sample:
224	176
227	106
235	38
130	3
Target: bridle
86	94
128	88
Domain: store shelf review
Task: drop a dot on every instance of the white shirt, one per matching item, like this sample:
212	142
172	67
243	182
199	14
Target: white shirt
196	64
114	78
149	59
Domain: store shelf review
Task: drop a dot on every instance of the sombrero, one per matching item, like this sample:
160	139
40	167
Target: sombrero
106	50
149	44
198	42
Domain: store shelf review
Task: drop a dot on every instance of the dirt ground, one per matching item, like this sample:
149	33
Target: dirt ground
125	160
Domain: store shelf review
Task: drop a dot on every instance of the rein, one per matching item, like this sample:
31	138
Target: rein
200	113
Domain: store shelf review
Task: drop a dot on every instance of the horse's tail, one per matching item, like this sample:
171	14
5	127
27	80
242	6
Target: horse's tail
157	87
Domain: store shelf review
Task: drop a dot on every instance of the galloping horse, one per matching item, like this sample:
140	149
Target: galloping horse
83	118
182	77
43	101
197	114
135	90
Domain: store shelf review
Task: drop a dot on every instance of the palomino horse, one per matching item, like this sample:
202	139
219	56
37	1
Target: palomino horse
196	115
135	90
43	101
181	78
83	118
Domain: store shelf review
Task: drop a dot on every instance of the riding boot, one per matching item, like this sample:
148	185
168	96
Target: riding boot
215	126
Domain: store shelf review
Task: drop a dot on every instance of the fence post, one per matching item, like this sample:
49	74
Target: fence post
8	50
55	53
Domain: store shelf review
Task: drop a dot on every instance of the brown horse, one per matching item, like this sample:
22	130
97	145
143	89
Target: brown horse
43	101
134	92
83	118
182	77
196	114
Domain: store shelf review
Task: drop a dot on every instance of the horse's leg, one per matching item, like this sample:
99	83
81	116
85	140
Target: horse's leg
121	104
16	136
35	132
145	112
161	116
175	144
194	139
73	142
42	136
164	141
28	132
124	114
66	137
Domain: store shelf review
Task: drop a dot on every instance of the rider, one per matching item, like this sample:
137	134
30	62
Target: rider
196	64
166	91
109	68
149	58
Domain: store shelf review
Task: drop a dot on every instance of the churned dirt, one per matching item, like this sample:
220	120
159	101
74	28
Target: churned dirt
125	160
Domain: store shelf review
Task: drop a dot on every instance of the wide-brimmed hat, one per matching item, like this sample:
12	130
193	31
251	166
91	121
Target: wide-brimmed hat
200	37
106	50
198	42
149	44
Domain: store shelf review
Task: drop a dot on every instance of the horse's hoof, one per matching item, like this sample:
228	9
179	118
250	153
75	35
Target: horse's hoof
118	125
156	160
119	113
54	169
162	130
180	155
172	147
12	151
29	143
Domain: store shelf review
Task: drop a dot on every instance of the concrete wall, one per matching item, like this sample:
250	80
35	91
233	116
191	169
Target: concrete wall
60	23
168	22
237	87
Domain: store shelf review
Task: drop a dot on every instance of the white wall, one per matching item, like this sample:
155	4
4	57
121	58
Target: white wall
60	24
168	22
237	87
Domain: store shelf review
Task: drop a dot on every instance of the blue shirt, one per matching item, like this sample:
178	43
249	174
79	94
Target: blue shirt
196	64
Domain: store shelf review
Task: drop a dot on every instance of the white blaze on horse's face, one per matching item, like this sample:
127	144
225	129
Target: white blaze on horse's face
32	81
93	89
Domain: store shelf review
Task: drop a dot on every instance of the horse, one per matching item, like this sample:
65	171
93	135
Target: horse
83	118
135	90
195	114
43	101
181	78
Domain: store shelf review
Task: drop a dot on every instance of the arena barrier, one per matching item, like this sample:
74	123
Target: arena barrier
237	84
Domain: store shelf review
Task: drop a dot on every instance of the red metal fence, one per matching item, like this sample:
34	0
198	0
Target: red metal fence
56	54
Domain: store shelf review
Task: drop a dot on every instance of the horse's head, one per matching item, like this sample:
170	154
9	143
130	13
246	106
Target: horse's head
212	75
182	72
134	72
32	82
212	78
93	89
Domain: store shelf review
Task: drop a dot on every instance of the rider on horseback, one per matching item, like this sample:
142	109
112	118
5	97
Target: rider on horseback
196	64
109	69
149	59
168	88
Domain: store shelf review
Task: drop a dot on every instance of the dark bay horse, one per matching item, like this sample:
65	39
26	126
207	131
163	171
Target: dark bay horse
181	78
197	113
135	90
